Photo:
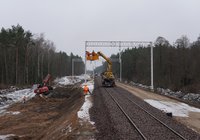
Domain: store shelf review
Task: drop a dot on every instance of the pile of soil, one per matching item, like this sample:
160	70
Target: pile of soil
53	118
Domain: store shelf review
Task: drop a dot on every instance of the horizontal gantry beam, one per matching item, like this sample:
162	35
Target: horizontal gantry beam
117	43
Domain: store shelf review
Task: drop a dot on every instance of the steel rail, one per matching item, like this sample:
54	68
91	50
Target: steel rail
130	120
182	137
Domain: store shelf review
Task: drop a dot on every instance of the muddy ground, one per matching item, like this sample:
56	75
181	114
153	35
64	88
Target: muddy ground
55	118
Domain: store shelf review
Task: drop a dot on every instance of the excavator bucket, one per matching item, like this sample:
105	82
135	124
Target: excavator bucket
95	56
92	56
88	55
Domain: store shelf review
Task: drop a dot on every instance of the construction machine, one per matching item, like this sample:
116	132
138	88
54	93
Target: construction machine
108	79
44	88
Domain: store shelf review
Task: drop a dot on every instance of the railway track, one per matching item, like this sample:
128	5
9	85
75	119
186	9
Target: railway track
161	128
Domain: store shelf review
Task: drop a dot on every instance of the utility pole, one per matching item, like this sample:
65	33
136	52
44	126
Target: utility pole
85	61
93	69
120	62
152	87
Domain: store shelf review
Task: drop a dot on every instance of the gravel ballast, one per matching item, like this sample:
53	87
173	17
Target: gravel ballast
112	124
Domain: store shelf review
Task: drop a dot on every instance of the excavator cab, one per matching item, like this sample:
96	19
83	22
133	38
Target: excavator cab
44	88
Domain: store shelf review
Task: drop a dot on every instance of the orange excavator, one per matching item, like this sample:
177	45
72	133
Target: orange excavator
44	88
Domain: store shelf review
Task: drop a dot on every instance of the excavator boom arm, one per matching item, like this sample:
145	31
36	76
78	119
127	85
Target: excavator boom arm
108	79
108	61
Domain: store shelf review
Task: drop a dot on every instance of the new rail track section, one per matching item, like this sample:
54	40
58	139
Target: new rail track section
160	127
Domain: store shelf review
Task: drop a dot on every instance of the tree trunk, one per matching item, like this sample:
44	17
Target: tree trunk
26	66
16	70
6	68
48	62
38	63
2	76
42	76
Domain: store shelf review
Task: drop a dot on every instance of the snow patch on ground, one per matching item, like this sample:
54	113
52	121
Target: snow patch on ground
139	85
4	137
11	89
83	113
63	81
13	112
193	97
16	96
177	109
71	80
2	108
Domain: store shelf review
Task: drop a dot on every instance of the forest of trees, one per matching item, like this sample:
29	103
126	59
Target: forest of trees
26	59
176	66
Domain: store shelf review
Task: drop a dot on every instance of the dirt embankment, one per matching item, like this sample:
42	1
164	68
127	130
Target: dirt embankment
40	119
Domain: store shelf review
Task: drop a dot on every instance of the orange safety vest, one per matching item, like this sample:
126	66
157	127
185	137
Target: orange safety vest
85	89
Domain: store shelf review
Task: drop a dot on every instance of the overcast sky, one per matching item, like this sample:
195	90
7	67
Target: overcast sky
68	23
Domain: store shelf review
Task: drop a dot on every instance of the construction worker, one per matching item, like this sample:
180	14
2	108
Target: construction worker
86	90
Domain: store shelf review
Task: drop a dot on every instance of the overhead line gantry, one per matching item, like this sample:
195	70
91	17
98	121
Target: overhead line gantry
120	44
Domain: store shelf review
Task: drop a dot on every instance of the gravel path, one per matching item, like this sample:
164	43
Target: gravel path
112	124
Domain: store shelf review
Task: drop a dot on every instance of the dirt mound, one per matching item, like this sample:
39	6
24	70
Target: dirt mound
40	119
